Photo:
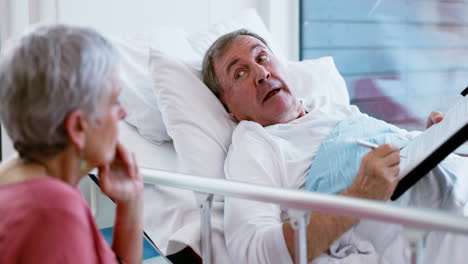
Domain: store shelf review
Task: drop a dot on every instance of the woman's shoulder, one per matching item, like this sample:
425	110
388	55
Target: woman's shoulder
43	194
57	194
49	210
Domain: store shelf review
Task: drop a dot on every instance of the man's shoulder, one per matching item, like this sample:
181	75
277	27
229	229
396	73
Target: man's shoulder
253	152
249	131
250	140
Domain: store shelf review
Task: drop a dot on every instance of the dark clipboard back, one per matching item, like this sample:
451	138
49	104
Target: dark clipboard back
431	161
452	143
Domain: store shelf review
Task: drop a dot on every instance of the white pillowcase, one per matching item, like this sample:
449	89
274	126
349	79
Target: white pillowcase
138	96
195	119
319	77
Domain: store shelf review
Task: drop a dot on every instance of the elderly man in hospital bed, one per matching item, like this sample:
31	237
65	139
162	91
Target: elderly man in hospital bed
284	142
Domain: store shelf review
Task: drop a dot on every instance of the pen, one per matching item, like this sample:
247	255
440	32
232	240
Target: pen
367	144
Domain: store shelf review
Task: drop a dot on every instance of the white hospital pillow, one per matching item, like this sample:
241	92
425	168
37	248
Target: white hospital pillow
138	96
195	119
248	19
319	77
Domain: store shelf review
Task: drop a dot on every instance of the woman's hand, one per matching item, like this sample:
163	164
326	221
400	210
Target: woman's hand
121	180
434	118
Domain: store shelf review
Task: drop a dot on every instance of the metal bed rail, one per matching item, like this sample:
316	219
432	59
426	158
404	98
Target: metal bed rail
303	202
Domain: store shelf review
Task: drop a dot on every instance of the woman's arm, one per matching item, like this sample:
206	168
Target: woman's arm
128	229
122	182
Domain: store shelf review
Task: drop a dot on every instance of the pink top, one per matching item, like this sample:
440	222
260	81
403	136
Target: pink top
44	220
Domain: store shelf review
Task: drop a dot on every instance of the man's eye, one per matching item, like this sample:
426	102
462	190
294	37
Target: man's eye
239	74
262	58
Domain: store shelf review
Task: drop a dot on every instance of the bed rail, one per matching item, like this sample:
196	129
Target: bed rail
303	201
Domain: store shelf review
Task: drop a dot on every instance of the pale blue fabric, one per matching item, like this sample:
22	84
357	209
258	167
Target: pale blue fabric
339	157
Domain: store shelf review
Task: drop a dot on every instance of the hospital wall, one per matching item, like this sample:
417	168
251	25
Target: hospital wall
119	16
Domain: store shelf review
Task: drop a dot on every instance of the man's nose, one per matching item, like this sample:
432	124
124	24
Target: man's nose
262	74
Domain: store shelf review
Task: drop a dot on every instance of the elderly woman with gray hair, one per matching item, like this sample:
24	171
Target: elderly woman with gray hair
59	90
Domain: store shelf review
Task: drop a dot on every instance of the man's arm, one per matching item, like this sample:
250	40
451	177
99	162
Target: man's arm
376	180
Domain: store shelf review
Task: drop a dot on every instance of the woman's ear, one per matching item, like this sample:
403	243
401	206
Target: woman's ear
75	127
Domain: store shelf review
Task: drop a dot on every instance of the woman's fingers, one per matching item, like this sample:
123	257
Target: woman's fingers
105	178
135	167
121	179
127	159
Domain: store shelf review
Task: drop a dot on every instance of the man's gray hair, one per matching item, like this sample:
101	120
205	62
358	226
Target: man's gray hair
51	72
216	51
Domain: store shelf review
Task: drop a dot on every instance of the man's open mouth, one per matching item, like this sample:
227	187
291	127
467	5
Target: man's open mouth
271	93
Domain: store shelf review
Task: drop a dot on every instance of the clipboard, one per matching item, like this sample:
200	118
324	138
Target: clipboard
453	130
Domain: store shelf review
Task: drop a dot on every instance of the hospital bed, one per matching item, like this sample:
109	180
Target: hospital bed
159	166
174	197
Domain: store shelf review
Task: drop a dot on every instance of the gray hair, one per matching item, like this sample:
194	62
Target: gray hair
51	72
216	51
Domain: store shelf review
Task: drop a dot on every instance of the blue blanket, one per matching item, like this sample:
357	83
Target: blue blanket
339	157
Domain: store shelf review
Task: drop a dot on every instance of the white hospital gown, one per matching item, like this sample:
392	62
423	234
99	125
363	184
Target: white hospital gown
280	156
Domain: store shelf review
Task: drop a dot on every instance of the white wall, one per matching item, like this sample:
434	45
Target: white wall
14	18
7	148
282	19
280	16
120	16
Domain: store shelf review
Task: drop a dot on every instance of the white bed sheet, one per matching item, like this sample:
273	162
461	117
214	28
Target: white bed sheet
171	216
149	155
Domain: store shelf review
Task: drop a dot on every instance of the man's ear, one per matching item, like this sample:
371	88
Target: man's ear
227	108
75	127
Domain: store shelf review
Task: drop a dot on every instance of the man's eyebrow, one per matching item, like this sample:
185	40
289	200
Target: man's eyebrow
237	60
256	46
231	64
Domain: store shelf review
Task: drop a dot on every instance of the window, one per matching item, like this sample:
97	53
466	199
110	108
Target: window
401	59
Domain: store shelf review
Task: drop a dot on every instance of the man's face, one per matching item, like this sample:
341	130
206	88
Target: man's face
254	85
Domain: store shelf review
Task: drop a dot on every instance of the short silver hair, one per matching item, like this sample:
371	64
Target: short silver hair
216	51
51	72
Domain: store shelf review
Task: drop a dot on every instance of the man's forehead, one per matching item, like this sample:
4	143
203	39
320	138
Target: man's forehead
240	46
243	44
